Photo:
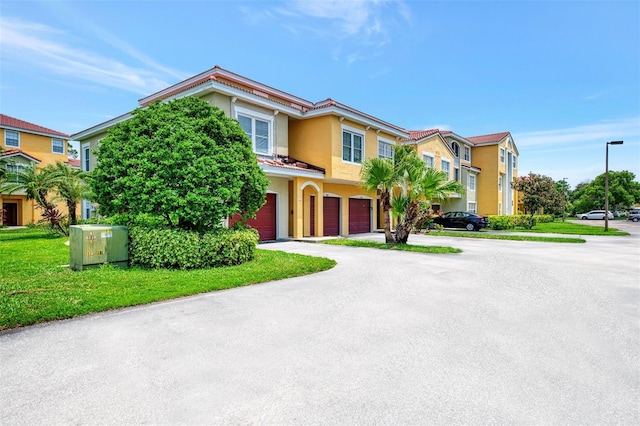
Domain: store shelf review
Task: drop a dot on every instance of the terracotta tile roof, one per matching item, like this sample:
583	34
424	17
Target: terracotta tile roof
487	139
74	162
290	164
14	152
415	135
7	121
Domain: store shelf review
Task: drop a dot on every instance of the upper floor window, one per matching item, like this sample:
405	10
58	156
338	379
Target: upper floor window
472	182
456	149
502	155
352	146
467	153
515	162
12	138
385	150
85	157
429	161
446	167
57	146
257	128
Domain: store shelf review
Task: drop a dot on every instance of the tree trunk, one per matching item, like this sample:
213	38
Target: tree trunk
73	219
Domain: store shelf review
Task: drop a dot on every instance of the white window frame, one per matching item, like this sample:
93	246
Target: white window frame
467	154
502	155
472	207
448	171
499	183
472	178
85	156
430	156
255	115
6	133
385	142
515	162
455	147
53	141
353	131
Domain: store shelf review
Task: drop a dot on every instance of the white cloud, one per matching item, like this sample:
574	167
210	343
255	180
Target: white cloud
41	47
350	25
601	132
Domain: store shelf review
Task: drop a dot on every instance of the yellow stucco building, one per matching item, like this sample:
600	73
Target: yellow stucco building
311	152
26	144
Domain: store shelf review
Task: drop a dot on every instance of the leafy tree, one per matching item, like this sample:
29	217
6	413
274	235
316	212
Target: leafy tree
537	192
405	186
37	183
624	192
73	153
182	160
69	184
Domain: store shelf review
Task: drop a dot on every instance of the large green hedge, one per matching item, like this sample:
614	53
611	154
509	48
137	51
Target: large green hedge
180	249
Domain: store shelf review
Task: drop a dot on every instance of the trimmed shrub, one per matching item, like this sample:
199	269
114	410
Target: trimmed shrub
501	222
180	249
522	221
543	218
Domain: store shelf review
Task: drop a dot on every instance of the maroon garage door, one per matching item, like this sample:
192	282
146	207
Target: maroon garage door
265	221
359	216
331	216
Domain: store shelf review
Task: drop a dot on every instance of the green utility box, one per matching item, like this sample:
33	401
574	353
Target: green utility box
94	245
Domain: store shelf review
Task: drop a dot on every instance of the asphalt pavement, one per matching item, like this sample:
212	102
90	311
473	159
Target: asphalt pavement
506	332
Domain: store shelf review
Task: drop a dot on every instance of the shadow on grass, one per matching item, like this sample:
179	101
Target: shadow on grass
10	236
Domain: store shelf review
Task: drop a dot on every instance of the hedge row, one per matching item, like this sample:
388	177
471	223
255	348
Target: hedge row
179	249
518	221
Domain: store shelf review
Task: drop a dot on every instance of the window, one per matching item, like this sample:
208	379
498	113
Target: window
385	150
352	146
12	138
502	155
472	182
500	183
446	167
515	162
472	207
257	127
85	156
467	154
499	209
456	174
57	146
15	168
429	162
456	148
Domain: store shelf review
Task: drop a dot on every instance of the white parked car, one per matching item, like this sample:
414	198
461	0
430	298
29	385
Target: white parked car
594	214
634	215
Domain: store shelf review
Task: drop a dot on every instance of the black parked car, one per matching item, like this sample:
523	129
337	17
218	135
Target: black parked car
465	220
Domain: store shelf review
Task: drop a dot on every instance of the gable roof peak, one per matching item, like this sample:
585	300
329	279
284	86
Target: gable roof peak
6	121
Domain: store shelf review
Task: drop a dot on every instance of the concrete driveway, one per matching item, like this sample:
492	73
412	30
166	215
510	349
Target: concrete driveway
504	333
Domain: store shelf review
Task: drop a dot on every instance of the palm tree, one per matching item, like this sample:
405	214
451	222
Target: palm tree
36	183
70	186
378	174
404	187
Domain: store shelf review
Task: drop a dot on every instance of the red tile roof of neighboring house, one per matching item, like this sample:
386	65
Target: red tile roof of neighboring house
74	162
290	164
485	139
14	152
7	121
415	135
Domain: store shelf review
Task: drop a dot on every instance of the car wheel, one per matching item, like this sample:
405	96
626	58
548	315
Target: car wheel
635	219
470	227
583	217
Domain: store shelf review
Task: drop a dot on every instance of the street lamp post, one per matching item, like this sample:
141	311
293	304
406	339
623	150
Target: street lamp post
564	196
606	184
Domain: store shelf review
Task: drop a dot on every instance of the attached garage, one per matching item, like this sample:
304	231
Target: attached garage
359	216
331	216
265	220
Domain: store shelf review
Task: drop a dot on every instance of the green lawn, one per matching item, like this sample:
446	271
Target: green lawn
573	228
35	285
402	247
505	236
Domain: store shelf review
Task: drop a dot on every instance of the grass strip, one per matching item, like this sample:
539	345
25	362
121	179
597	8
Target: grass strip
36	287
401	247
510	237
570	228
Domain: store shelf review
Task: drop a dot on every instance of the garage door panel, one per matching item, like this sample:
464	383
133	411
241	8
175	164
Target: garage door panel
265	220
331	216
359	216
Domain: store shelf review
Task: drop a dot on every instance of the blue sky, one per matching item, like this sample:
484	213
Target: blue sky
562	77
